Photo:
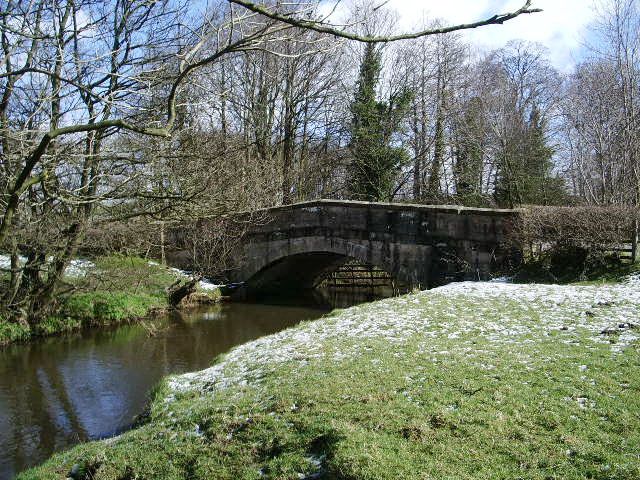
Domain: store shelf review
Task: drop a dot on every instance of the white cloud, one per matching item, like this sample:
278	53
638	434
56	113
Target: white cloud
560	27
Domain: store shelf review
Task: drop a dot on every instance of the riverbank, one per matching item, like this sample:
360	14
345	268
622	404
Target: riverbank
107	291
472	380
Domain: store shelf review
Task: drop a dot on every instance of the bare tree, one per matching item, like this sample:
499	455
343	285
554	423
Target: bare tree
601	114
81	79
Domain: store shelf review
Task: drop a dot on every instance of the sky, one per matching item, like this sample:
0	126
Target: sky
561	27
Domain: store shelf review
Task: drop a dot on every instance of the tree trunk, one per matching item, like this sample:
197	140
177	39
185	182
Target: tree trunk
438	155
634	241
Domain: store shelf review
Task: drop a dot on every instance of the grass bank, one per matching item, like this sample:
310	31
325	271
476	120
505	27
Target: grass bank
469	381
107	291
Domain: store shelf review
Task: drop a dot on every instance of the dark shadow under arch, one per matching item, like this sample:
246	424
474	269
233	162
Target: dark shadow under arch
294	273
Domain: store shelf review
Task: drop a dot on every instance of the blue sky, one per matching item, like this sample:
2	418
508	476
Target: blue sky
561	27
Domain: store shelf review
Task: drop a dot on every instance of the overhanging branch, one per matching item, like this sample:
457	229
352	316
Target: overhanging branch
317	26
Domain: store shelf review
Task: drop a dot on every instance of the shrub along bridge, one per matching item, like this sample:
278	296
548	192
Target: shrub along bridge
418	245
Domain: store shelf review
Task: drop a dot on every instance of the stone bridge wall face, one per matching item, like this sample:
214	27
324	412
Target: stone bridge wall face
419	245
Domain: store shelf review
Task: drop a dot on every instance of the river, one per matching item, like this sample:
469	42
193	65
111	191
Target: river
59	391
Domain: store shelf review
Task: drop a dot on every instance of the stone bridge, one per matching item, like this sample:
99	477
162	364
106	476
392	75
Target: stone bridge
419	245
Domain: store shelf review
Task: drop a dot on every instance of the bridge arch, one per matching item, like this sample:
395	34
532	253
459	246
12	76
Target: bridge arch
302	271
295	264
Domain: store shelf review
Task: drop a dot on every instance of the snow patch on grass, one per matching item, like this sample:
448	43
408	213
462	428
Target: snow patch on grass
204	284
499	313
77	268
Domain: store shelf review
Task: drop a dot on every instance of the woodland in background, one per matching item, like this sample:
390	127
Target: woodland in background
122	118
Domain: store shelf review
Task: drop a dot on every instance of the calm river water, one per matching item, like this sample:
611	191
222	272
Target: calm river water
60	391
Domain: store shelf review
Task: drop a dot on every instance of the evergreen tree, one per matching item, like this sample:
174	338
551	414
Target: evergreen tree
469	154
525	171
375	161
541	187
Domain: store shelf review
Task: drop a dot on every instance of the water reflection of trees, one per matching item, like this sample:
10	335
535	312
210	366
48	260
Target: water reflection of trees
61	391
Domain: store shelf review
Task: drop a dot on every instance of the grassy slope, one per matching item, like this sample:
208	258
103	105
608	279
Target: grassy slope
470	381
118	289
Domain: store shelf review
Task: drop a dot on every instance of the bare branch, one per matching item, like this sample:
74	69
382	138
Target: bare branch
323	28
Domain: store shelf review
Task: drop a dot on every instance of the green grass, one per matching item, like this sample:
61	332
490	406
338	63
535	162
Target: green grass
433	386
12	332
129	274
105	308
117	290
